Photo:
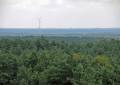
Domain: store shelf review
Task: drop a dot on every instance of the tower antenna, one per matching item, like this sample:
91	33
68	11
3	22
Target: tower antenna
39	23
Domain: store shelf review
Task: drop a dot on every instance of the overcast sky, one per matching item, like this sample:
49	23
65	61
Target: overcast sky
60	13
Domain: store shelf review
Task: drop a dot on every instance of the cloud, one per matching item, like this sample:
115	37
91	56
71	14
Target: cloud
60	13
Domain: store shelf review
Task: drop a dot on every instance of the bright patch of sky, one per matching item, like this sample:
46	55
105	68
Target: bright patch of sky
59	13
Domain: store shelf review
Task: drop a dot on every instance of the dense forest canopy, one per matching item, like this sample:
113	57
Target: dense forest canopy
59	61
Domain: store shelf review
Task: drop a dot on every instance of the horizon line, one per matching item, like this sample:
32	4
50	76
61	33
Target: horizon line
60	28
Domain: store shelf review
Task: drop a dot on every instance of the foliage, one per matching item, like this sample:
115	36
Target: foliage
59	61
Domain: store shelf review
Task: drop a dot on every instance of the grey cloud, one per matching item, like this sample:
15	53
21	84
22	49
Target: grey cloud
60	16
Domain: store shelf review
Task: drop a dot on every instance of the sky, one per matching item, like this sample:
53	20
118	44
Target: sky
60	13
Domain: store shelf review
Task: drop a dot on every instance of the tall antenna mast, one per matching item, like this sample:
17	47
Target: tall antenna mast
39	23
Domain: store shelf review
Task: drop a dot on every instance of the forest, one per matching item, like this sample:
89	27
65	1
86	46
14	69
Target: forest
59	61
